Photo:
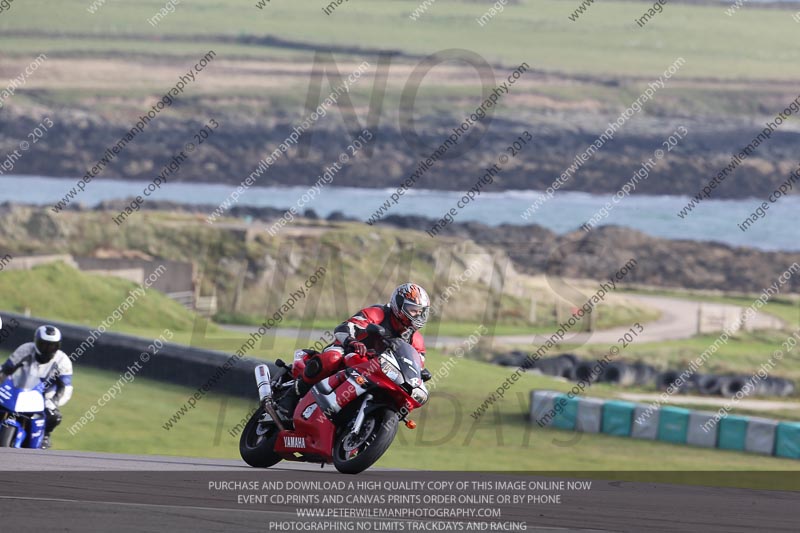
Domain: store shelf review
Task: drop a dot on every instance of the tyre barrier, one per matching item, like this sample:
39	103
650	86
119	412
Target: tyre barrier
555	366
731	385
571	357
784	387
641	374
665	380
765	388
645	374
584	371
673	380
709	384
504	360
771	386
619	373
670	424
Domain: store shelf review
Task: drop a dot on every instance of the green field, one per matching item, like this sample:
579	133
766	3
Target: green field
754	44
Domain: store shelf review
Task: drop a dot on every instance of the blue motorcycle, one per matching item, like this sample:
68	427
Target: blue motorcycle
22	415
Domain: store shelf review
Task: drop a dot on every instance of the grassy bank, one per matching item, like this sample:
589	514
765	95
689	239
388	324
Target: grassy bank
60	292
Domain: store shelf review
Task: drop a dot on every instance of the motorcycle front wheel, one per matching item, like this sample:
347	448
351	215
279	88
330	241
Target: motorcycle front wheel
257	443
7	434
353	454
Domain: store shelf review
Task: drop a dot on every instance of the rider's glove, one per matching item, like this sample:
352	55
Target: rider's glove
426	374
353	346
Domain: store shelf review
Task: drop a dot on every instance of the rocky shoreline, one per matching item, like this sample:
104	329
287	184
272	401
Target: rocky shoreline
78	139
597	254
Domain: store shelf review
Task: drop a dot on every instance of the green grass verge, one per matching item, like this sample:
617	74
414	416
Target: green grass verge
604	41
132	422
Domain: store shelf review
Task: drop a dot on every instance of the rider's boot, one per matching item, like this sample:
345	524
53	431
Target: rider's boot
286	405
46	441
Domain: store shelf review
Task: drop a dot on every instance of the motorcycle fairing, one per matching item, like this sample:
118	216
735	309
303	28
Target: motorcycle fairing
310	437
17	400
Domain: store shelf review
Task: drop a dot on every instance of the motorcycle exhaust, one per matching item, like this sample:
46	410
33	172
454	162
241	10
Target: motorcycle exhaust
265	393
262	382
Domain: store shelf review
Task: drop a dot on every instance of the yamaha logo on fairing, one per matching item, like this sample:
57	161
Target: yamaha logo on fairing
309	411
294	442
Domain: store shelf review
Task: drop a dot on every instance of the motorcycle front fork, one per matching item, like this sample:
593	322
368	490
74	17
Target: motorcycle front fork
360	415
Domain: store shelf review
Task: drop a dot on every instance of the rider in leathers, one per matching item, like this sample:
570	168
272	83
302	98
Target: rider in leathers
406	313
43	361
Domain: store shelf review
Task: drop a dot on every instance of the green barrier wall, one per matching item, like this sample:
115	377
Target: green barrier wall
673	424
732	432
566	418
788	440
618	417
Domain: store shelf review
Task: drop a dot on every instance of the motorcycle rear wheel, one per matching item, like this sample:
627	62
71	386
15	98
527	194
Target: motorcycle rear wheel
257	443
354	454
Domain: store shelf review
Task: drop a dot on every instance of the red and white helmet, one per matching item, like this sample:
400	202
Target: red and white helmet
410	305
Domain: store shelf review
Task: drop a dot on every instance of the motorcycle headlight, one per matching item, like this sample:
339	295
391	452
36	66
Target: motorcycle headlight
391	370
420	395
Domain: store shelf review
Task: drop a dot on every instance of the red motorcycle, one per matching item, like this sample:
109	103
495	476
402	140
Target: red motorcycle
349	418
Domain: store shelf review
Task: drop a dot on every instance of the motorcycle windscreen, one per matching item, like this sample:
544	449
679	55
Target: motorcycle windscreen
410	363
18	400
29	401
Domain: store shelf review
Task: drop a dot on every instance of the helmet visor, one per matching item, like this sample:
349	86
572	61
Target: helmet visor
417	313
47	348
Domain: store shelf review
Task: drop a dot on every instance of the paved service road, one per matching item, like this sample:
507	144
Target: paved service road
678	320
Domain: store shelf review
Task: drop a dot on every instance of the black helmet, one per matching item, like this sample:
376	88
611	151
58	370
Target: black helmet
47	341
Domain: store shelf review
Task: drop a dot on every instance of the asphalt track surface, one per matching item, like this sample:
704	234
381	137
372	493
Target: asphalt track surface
99	492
